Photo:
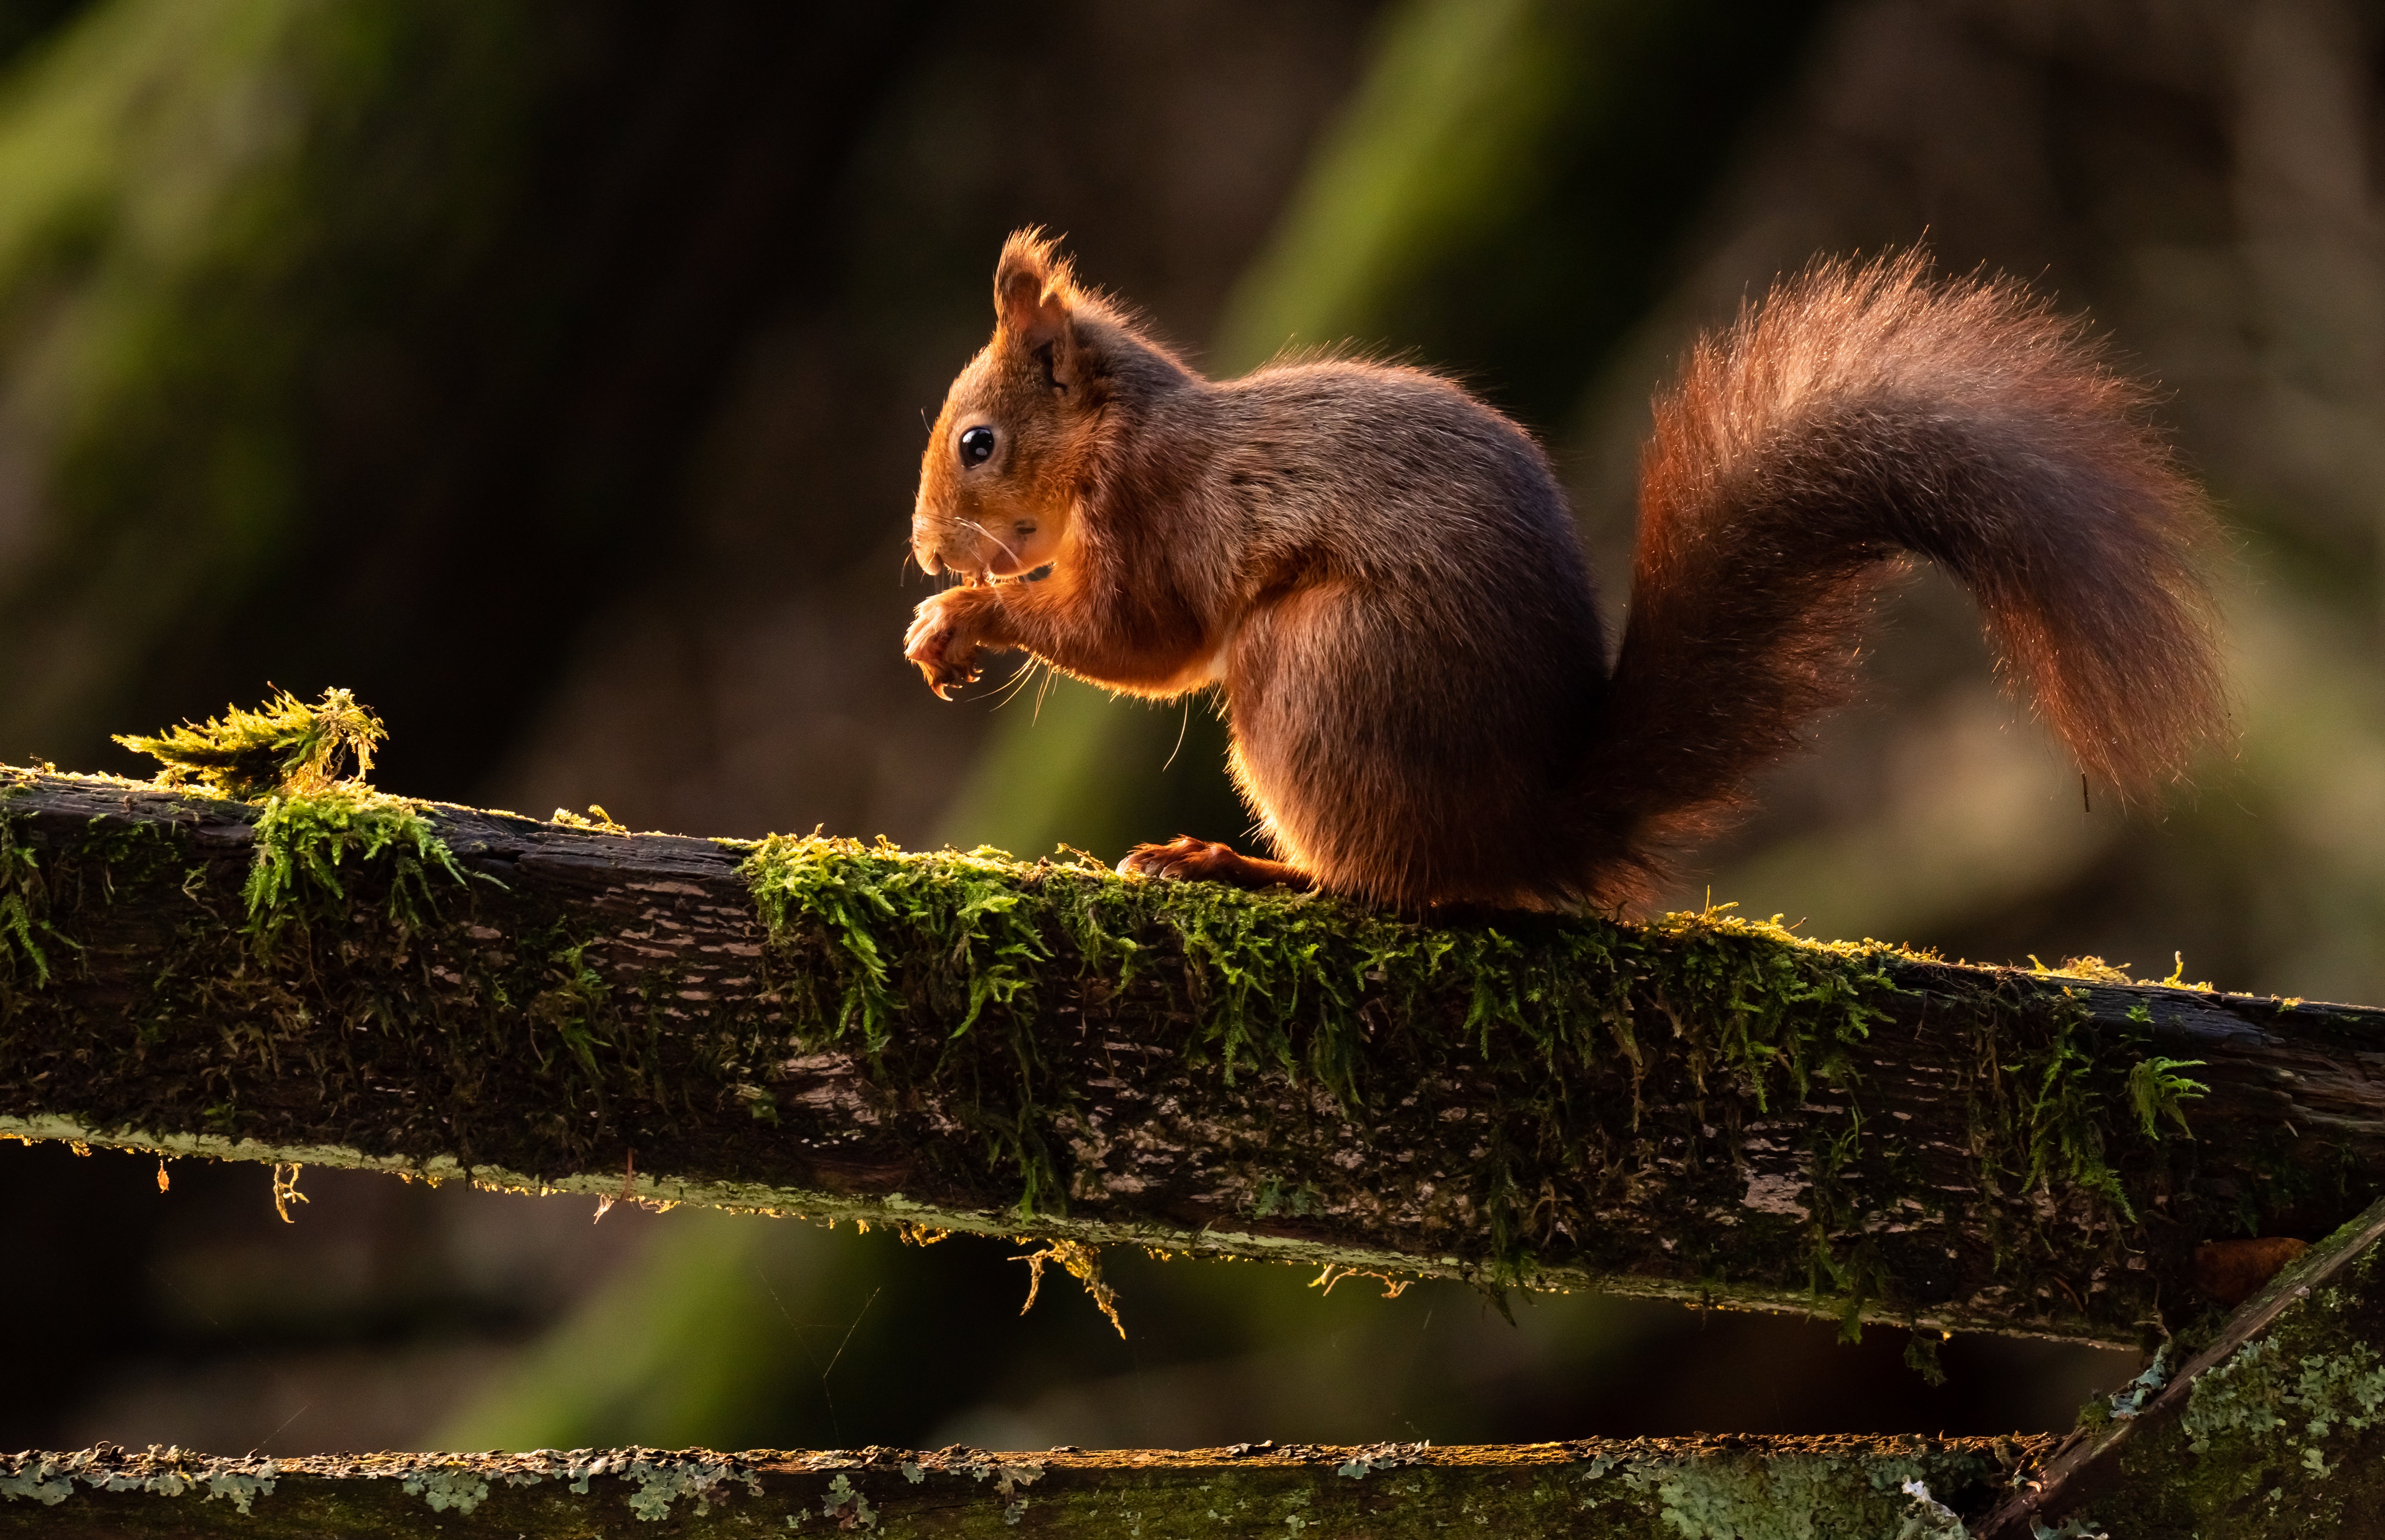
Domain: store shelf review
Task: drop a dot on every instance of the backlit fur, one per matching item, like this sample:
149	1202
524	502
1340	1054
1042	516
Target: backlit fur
1381	572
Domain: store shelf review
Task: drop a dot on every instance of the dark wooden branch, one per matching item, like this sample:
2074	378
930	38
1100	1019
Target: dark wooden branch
2275	1427
1701	1109
1639	1489
2288	1395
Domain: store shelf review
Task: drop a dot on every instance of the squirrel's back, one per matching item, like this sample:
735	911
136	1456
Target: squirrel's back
1396	470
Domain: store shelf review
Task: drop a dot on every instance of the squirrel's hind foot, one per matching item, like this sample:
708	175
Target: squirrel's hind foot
1187	859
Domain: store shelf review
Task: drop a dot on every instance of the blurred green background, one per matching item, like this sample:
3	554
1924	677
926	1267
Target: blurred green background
552	374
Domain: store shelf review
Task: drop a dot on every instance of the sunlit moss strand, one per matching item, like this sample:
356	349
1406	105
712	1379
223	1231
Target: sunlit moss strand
23	906
305	837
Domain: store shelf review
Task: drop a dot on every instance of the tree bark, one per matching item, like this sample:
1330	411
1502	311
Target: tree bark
1699	1108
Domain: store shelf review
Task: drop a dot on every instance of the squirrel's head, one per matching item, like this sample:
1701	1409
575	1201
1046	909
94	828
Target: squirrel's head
1012	446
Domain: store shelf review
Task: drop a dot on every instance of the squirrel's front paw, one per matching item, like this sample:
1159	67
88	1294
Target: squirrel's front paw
943	641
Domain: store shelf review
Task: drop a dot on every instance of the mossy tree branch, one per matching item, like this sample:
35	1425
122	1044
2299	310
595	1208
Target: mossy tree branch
2274	1428
1702	1106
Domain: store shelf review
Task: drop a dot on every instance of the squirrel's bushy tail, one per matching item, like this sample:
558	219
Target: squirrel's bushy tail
1860	413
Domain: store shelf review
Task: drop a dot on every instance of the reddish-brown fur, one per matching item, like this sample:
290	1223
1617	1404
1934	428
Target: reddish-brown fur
1383	574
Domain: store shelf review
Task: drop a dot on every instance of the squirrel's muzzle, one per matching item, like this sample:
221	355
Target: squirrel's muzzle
929	541
956	546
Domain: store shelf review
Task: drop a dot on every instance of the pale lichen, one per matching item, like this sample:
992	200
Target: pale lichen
2264	1394
49	1479
445	1487
846	1505
1797	1496
2283	1436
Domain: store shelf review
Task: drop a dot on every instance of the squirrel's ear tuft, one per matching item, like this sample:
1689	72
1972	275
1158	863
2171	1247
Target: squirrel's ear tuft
1033	290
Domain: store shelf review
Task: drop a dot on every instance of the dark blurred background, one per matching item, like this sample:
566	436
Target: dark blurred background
552	373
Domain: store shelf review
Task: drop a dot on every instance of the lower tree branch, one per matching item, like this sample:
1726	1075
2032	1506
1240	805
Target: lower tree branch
2276	1427
1639	1489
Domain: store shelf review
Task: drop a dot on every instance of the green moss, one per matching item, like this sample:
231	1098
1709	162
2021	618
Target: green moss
992	959
305	838
871	942
288	755
2064	1115
285	745
871	937
574	1006
1922	1357
24	906
2156	1090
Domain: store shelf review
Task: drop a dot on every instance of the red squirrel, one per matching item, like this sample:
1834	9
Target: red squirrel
1381	573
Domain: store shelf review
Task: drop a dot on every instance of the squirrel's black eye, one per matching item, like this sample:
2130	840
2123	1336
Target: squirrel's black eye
976	446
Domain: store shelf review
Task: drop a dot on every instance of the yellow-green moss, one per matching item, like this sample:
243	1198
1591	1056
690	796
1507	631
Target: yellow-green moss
287	756
1276	981
305	838
286	744
870	940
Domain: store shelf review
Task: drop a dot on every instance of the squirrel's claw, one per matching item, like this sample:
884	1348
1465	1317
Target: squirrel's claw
948	684
945	678
945	650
